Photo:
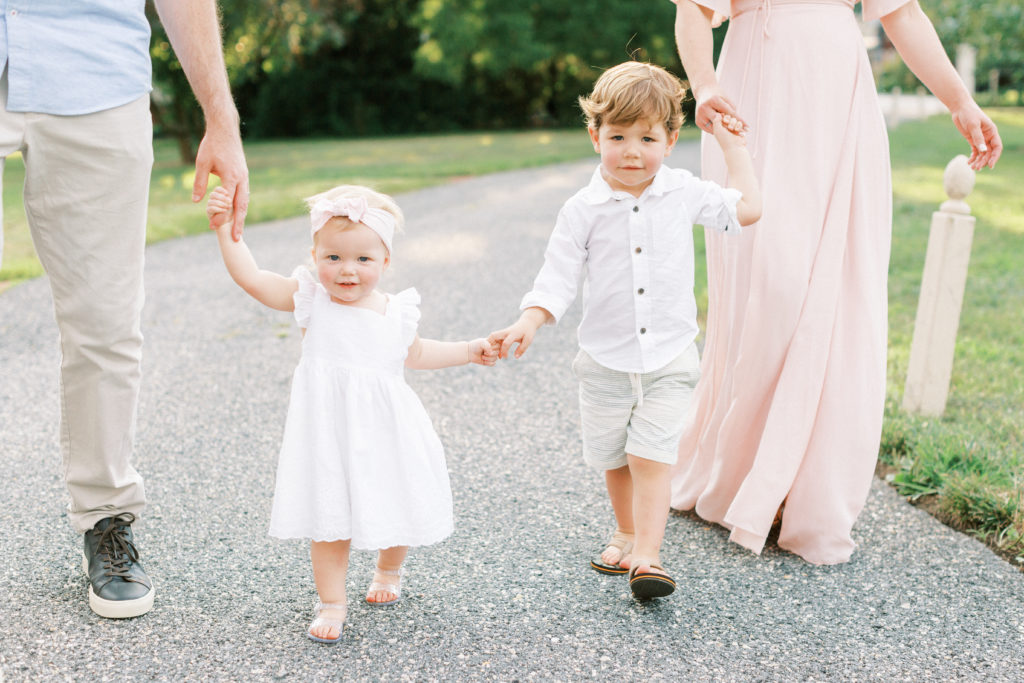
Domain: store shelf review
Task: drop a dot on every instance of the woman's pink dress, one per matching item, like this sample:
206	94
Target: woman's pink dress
789	405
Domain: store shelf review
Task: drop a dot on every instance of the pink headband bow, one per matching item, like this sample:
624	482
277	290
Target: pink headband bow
356	210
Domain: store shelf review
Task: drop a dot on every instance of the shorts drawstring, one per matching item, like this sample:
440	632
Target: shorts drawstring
638	387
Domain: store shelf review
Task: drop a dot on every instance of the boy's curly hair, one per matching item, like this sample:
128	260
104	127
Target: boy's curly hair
632	91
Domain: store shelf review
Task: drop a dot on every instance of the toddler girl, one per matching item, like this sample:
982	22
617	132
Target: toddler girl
360	464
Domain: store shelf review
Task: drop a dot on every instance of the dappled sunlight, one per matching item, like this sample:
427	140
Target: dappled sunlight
447	250
919	184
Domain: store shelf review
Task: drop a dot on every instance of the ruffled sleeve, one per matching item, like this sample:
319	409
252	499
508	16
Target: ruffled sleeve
408	302
723	7
303	296
717	208
876	9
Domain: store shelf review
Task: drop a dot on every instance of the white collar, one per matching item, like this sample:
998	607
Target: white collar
598	191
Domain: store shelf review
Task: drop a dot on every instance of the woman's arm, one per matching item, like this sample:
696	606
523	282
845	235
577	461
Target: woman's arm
696	51
915	39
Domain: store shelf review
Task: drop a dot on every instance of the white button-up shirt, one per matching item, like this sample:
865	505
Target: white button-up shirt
639	311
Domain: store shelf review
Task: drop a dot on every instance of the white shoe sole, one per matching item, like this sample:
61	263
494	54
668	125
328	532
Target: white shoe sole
118	609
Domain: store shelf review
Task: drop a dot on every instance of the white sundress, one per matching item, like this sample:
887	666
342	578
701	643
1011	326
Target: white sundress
360	459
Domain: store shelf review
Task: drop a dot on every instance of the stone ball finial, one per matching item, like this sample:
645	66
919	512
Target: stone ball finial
958	181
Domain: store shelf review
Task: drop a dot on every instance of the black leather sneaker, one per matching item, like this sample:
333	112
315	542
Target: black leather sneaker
118	586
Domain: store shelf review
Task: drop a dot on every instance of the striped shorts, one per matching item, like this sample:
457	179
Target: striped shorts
642	414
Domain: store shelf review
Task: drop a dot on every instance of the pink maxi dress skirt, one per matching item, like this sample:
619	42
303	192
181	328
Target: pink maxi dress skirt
789	405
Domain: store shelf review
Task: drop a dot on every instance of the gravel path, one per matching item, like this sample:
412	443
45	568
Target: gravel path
509	596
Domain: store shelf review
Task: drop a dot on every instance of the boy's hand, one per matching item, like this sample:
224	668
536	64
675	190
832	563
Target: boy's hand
728	132
483	352
521	332
218	208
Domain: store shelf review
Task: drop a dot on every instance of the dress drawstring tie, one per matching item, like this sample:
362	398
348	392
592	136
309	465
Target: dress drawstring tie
766	11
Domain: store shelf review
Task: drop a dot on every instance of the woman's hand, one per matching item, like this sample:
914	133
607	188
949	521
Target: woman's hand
982	134
711	101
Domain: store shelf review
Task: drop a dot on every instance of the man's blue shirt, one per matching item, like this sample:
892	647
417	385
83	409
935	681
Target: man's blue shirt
73	57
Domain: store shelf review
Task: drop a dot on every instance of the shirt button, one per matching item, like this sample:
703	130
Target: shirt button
640	291
643	330
636	209
638	250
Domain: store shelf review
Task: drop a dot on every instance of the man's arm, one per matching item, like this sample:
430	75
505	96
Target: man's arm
194	31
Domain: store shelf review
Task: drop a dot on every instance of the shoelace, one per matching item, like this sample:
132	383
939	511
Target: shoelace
117	549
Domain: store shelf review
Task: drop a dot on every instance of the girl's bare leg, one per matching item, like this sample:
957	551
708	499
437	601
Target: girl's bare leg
388	560
330	567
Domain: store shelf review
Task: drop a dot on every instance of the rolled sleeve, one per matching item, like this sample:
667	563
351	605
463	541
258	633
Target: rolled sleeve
714	206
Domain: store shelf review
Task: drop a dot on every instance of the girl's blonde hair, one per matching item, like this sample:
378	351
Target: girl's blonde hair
374	200
632	91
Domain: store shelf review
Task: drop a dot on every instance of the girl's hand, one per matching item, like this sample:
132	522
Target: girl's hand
712	102
218	208
483	352
978	129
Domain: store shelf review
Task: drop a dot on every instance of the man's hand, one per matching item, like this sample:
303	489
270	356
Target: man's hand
220	153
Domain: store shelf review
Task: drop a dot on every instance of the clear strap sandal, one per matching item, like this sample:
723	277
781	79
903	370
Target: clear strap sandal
329	622
385	586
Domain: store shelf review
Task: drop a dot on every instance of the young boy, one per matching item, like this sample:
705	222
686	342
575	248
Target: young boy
631	227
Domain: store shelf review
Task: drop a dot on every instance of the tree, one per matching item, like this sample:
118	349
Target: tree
261	37
994	27
538	56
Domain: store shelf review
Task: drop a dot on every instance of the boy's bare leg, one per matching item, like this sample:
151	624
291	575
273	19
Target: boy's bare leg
330	567
388	560
620	492
651	499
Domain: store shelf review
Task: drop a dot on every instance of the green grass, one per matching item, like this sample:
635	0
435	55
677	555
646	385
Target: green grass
283	172
968	466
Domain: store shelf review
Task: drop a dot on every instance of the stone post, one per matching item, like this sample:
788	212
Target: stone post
895	113
966	60
993	86
942	295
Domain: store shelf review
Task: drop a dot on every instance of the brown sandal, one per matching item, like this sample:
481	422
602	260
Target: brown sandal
649	584
621	541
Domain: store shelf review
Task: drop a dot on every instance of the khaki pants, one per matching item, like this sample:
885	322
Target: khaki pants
86	191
